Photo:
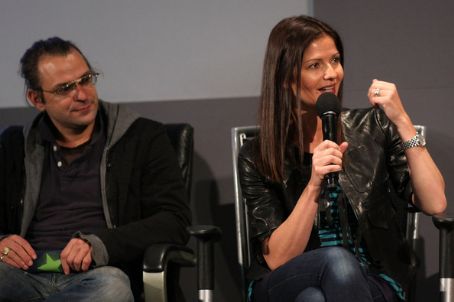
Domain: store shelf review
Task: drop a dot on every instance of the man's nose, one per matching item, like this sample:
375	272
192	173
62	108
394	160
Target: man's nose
81	93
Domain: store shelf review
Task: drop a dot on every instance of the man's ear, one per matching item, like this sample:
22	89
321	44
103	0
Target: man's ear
35	98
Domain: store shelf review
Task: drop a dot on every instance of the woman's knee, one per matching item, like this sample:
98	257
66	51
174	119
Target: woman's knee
311	294
341	263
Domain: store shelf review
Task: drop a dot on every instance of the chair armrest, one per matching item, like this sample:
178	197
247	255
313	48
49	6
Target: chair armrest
205	232
444	221
157	261
158	256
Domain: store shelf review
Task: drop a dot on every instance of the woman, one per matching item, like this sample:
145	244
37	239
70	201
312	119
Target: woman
314	244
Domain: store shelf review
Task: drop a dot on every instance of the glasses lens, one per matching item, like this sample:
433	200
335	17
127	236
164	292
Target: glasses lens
65	88
87	79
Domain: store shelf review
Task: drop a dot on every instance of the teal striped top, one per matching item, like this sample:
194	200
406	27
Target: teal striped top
330	232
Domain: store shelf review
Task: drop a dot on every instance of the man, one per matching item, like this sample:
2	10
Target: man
84	189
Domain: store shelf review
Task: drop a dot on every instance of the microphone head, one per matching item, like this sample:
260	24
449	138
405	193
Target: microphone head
328	103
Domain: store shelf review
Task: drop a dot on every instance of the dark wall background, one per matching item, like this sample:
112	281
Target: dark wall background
410	43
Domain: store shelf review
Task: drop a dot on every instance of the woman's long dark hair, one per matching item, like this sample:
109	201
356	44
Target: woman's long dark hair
279	118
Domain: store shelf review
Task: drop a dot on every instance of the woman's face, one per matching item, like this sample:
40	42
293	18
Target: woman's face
321	70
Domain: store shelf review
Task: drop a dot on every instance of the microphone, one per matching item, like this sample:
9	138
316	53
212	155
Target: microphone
328	108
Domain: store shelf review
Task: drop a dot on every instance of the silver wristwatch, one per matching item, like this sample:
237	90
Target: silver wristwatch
416	141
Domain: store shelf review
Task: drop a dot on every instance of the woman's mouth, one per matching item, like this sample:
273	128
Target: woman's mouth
330	89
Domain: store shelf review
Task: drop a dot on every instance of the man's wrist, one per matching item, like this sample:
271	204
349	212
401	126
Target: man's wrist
99	252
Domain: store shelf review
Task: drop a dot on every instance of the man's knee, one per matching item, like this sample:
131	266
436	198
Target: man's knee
5	284
4	269
9	274
112	284
13	279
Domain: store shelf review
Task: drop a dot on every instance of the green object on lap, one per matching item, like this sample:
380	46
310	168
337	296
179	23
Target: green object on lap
47	262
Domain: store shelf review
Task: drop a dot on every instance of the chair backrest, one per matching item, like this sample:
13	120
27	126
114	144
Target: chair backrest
239	136
181	136
412	233
182	139
413	213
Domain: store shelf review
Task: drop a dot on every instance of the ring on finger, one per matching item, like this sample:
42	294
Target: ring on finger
377	92
6	251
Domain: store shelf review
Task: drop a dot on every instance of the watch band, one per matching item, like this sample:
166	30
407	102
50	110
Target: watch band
415	141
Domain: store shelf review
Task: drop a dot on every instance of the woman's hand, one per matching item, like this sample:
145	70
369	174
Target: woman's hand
427	182
281	245
384	95
327	158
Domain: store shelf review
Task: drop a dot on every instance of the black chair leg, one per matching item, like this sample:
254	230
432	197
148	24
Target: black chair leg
206	236
446	226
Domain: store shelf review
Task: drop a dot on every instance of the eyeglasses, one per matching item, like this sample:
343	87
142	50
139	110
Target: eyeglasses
65	89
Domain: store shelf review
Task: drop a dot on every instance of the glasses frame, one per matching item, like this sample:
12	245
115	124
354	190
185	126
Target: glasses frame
65	89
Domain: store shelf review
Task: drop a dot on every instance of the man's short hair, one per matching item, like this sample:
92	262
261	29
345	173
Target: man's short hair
51	46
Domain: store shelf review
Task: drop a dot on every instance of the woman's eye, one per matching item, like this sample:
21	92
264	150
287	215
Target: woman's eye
314	66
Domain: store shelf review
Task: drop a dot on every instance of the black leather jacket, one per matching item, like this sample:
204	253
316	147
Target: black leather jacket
375	180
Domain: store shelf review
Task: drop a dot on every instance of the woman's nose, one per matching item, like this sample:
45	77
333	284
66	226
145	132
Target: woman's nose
330	72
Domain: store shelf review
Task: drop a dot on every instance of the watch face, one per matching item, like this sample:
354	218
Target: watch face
422	140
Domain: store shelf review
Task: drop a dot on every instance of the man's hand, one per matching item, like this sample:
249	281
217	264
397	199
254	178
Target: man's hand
76	256
17	252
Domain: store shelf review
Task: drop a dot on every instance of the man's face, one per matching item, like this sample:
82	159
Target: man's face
69	109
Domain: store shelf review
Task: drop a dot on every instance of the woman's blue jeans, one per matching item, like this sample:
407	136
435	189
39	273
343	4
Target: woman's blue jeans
100	284
325	274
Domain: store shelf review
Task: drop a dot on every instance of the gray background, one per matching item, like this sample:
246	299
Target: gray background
199	62
149	50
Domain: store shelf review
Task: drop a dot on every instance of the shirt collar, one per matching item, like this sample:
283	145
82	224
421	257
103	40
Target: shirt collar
49	132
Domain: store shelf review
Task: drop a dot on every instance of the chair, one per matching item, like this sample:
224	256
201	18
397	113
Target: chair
446	224
239	136
162	262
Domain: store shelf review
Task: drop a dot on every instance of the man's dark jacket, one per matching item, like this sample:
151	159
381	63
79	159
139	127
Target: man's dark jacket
143	195
375	179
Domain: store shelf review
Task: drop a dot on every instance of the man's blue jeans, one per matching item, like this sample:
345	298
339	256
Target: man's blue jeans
325	274
100	284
